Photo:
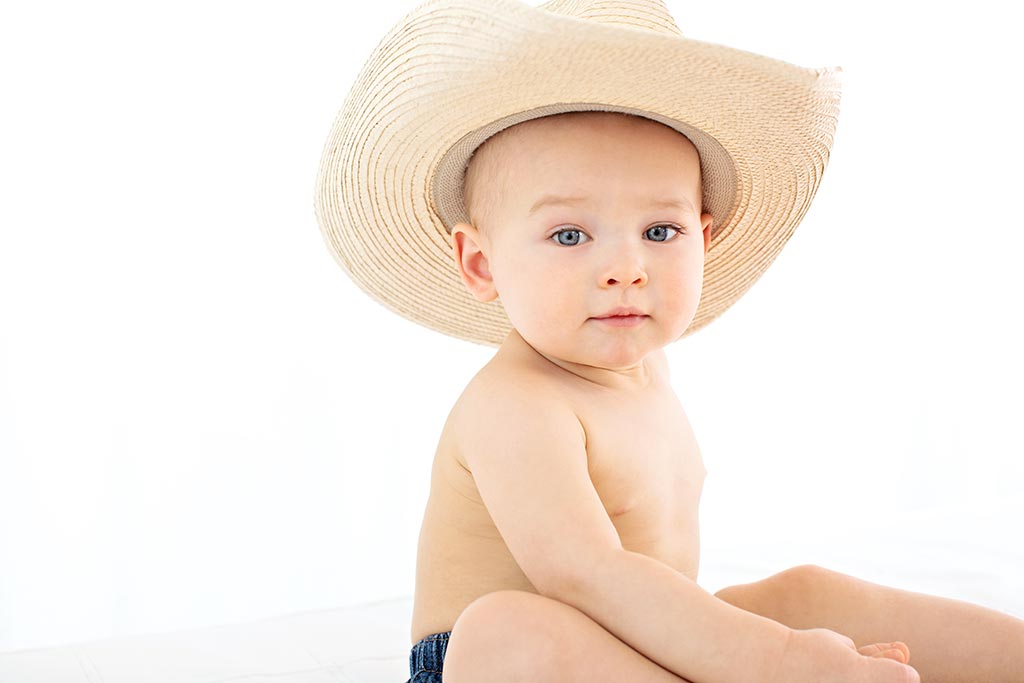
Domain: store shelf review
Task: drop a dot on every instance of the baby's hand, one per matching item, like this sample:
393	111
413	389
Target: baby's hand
819	655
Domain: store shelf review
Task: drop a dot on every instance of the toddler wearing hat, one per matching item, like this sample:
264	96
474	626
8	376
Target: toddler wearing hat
581	209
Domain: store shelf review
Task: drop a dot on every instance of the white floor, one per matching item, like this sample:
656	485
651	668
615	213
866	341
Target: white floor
362	644
370	643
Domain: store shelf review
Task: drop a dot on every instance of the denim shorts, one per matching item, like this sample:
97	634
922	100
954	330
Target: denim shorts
426	660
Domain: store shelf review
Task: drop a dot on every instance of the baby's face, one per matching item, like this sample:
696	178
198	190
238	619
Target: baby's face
632	236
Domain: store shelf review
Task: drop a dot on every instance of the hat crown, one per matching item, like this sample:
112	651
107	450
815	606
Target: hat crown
651	15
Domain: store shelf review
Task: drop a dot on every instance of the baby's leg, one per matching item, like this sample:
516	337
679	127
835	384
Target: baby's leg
512	635
949	640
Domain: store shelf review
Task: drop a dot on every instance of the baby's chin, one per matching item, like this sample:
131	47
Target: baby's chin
624	354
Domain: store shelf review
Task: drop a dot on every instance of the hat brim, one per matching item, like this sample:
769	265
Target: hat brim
452	73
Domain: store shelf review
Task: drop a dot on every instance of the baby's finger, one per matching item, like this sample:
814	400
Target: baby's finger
898	651
895	672
904	648
895	654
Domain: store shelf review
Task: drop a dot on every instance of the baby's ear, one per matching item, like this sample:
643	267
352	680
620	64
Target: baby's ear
707	221
472	262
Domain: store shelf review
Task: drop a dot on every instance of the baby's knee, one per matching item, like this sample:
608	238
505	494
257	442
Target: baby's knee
802	577
773	596
498	634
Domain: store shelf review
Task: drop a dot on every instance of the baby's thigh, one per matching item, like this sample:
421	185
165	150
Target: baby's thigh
520	636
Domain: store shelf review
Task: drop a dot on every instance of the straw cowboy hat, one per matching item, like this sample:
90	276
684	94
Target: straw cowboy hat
454	72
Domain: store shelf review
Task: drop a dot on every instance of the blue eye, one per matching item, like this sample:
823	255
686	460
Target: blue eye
661	230
567	231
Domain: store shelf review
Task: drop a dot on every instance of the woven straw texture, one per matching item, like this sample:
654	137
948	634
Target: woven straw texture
452	73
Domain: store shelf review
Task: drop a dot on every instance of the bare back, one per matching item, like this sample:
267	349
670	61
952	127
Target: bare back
643	460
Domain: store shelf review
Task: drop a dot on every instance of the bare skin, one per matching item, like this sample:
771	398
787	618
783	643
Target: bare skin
616	248
462	557
952	641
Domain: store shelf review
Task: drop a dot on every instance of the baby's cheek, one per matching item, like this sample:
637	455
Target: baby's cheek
528	311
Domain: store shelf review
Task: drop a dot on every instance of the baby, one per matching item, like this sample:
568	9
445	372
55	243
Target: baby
579	185
560	541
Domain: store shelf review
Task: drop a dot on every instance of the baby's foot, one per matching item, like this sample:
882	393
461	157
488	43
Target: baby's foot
897	650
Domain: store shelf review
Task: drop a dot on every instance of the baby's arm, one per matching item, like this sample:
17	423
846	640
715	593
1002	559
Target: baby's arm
671	620
526	450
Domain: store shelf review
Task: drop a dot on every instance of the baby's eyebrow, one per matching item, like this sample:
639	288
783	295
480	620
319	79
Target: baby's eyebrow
556	200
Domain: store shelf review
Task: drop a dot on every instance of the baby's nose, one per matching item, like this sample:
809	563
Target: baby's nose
640	279
625	268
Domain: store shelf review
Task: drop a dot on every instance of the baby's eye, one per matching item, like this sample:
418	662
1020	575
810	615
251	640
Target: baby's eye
662	232
568	231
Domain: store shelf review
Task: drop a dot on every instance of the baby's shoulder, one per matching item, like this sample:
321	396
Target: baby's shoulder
498	404
509	396
503	387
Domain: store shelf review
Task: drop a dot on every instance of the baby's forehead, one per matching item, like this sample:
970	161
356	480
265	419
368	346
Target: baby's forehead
561	141
499	167
574	129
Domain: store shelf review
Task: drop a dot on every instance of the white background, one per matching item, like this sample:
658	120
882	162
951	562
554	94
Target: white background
203	421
